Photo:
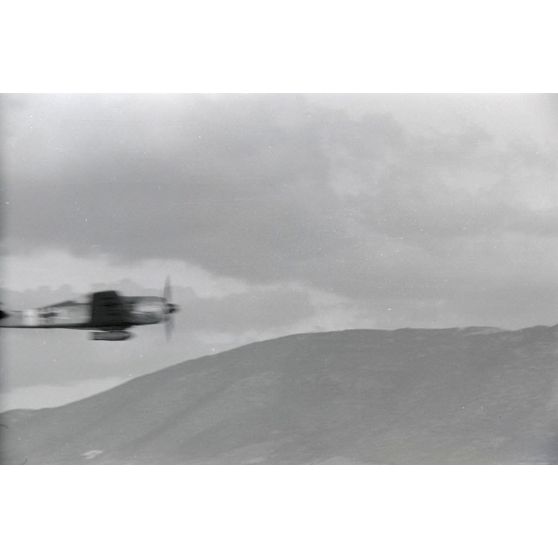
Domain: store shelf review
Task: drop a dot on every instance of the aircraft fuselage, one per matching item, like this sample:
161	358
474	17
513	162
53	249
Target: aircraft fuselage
106	310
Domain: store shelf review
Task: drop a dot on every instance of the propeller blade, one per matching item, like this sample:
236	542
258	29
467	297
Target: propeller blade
169	309
167	291
169	327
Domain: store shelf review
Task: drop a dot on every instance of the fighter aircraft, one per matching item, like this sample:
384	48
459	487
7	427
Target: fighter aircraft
108	313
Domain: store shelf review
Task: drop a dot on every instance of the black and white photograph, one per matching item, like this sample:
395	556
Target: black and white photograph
279	279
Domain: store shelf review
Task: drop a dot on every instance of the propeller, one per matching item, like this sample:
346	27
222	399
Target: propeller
170	308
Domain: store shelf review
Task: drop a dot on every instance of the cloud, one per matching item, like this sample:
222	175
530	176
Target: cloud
281	189
235	185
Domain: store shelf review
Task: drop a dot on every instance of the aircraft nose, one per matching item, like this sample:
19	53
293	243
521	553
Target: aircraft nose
172	308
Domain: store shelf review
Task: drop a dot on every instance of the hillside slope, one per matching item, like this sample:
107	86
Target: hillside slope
469	395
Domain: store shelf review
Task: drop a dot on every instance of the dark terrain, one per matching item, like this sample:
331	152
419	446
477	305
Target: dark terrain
473	395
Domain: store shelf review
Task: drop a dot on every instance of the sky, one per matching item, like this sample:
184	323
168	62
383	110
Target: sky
272	214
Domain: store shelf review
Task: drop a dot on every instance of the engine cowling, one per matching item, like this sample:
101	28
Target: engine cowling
147	310
110	335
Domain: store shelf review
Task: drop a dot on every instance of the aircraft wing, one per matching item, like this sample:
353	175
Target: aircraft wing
108	310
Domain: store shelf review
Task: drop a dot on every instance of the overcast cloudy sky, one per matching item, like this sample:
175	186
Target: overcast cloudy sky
273	214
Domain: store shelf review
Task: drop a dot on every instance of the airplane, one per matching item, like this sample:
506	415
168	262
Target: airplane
108	313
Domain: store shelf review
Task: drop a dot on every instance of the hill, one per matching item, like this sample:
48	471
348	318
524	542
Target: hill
472	395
